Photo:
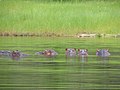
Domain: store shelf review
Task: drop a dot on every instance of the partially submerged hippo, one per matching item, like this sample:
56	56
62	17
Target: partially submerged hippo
70	52
82	52
102	52
47	53
17	54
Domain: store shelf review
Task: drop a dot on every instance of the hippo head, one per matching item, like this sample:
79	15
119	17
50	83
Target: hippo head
54	53
71	52
47	53
14	55
17	54
50	53
82	52
102	52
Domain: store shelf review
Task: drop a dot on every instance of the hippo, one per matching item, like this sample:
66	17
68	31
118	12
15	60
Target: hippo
17	55
70	52
82	52
102	53
47	53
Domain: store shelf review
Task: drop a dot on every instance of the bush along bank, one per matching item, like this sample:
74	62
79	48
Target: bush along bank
44	34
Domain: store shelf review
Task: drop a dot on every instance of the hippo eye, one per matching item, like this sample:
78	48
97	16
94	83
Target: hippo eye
73	50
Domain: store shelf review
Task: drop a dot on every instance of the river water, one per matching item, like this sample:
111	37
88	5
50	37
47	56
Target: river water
58	73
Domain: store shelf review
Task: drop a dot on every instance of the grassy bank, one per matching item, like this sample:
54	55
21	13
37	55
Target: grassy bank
34	17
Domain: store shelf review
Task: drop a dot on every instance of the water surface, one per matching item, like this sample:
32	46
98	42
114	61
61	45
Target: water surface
40	73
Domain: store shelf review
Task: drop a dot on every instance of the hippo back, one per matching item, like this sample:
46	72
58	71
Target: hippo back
23	55
39	53
4	53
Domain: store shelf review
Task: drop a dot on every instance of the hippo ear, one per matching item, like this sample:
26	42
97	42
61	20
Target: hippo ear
78	49
97	50
107	50
75	49
66	49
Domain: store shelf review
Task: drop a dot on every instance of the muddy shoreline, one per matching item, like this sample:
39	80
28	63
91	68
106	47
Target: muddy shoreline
48	34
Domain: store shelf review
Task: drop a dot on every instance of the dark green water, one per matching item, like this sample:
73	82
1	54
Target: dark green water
40	73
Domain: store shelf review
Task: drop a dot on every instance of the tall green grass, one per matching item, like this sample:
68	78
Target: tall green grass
60	18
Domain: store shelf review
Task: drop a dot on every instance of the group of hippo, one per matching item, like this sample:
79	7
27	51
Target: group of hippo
83	53
69	53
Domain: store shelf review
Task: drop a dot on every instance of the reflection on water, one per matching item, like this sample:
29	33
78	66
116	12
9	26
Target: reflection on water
50	74
15	58
103	60
41	73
